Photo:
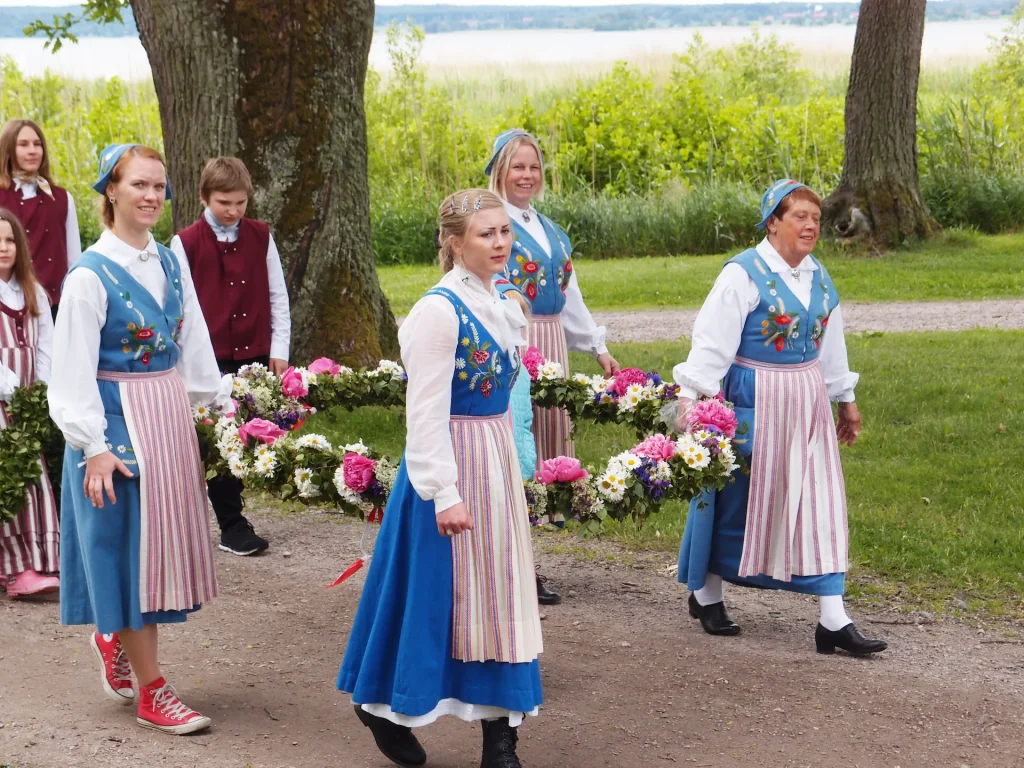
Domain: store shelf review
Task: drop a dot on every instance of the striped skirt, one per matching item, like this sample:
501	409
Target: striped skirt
176	570
31	541
796	509
551	426
494	612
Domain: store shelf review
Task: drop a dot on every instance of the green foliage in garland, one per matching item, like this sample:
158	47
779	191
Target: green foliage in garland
29	433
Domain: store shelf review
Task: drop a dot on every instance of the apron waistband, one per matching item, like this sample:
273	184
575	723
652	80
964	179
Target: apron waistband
757	365
127	376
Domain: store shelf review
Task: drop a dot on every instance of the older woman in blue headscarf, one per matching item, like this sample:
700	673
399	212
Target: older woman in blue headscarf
770	335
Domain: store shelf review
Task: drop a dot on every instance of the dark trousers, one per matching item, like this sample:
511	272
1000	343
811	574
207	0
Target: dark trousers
53	312
226	492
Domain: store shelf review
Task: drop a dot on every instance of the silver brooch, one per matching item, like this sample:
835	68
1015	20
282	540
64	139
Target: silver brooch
526	216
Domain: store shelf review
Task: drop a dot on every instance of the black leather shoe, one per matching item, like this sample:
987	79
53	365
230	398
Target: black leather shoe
545	596
396	742
849	639
500	741
713	618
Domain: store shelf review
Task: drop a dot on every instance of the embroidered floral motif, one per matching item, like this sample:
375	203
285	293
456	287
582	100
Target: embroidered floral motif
781	328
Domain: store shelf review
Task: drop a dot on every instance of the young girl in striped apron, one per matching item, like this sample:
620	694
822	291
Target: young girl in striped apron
131	349
448	622
30	542
541	268
771	331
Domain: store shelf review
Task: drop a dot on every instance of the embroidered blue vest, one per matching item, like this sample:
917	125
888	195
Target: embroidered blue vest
484	373
541	278
780	330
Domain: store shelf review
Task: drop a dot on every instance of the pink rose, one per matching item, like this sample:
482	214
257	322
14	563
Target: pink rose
716	415
324	365
657	448
291	383
265	431
628	376
533	360
358	472
561	469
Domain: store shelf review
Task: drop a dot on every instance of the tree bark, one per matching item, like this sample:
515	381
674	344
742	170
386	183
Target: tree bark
279	84
879	194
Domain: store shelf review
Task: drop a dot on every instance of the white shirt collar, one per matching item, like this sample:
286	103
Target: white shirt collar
777	264
11	287
217	227
472	282
111	246
516	213
27	185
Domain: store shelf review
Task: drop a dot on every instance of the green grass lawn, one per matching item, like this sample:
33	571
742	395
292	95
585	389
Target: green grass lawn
935	485
958	266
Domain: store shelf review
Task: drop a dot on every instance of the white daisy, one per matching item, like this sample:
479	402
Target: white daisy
357	447
314	441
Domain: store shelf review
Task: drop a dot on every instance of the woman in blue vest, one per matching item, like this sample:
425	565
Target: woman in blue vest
771	332
448	623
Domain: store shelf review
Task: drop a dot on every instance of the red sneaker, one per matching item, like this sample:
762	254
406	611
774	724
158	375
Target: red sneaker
116	673
162	710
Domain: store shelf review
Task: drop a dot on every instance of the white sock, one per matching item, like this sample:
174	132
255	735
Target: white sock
711	592
833	612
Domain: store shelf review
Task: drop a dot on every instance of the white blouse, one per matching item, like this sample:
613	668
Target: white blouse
12	295
280	309
429	338
75	403
582	333
74	240
719	326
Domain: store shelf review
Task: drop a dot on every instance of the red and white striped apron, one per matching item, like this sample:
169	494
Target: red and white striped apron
495	614
551	426
176	569
31	541
796	510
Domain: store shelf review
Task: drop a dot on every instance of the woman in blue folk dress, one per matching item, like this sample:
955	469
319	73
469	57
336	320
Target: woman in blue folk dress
131	349
448	621
771	331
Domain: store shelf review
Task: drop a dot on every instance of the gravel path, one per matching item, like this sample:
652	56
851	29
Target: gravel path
659	325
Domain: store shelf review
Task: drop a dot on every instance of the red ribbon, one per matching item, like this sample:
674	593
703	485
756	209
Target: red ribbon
376	515
348	572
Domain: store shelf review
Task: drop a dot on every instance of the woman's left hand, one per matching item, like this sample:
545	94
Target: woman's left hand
608	364
848	425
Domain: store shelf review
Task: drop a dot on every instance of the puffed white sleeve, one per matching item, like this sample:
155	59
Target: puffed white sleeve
44	342
280	309
835	364
74	240
428	338
716	333
582	333
198	363
74	396
179	250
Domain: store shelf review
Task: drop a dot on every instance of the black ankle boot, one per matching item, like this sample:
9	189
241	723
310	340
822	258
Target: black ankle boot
396	742
545	596
713	618
500	740
849	639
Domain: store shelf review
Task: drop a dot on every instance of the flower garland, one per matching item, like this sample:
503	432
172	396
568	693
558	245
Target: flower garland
29	433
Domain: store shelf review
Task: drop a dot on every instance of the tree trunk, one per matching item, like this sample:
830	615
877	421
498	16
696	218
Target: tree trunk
279	84
879	195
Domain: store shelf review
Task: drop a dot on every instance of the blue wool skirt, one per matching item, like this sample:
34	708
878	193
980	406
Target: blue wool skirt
400	649
99	556
717	520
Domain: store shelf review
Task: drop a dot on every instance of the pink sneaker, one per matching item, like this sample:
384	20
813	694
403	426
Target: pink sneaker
162	710
116	672
31	583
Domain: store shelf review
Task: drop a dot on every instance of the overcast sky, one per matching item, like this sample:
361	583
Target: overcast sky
479	2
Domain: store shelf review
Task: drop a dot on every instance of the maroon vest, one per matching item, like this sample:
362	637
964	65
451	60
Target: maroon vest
233	287
45	222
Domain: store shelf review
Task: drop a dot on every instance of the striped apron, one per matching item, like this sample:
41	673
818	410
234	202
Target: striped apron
31	541
495	615
175	550
796	511
551	426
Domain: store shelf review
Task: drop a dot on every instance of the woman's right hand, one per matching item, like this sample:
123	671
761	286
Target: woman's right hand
683	407
454	520
99	471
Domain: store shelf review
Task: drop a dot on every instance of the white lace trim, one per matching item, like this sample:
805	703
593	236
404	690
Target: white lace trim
454	707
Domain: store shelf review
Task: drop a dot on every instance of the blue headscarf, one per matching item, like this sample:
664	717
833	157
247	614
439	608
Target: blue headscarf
776	193
108	159
500	141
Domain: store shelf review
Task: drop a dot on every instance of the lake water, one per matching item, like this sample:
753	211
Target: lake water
961	41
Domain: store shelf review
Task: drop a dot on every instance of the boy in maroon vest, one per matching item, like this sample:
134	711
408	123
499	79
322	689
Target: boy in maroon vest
237	273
